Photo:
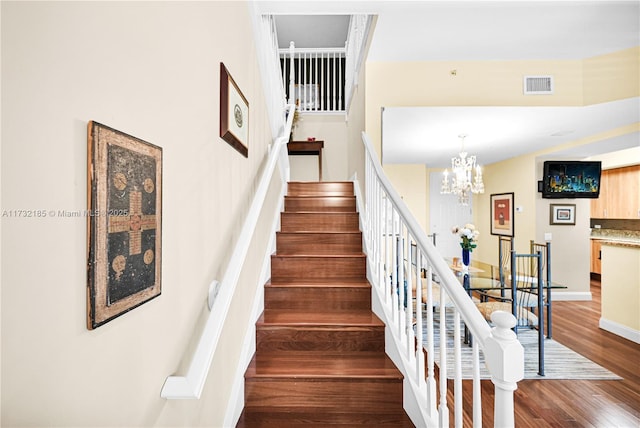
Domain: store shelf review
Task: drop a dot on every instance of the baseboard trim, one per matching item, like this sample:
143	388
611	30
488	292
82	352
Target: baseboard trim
570	295
620	330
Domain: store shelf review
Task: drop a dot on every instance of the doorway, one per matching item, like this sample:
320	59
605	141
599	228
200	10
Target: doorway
444	213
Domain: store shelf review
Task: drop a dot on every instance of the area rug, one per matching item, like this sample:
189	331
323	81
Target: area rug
560	362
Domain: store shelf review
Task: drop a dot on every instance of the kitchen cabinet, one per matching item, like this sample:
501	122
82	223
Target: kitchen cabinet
596	248
619	194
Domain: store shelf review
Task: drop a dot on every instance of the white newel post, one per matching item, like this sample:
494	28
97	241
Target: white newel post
505	360
292	82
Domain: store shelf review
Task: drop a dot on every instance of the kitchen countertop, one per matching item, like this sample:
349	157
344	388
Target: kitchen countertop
627	244
619	237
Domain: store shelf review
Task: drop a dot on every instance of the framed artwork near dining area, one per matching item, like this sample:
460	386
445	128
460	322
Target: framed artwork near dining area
502	214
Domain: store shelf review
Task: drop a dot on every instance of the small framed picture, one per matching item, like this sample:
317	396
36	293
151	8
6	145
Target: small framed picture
560	214
502	214
234	113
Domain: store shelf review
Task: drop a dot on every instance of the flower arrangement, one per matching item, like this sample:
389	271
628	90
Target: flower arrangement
296	118
469	235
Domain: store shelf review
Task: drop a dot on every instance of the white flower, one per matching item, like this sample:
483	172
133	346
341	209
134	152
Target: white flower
468	233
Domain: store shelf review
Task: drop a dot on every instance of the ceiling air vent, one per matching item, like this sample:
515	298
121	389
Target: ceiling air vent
538	85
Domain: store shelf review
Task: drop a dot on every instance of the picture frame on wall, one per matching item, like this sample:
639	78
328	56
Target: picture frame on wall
502	220
124	221
562	214
234	113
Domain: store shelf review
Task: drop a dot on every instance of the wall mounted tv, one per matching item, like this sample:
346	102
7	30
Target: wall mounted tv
571	179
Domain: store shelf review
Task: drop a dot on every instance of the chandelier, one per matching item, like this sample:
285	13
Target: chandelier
462	168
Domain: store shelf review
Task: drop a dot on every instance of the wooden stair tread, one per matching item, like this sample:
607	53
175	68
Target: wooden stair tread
294	317
342	417
336	281
359	255
370	366
318	283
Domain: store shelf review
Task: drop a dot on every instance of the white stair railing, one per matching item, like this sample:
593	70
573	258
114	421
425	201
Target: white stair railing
399	255
355	49
316	78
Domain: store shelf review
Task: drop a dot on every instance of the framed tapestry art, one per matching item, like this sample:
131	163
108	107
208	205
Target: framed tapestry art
124	226
234	113
560	214
502	214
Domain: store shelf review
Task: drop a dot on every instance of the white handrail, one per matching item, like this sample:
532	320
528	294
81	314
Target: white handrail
398	251
469	312
190	386
357	36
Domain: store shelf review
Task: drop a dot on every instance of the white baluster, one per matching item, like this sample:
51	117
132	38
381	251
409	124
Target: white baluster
419	327
394	267
443	410
457	381
292	75
431	375
477	394
387	251
409	297
401	283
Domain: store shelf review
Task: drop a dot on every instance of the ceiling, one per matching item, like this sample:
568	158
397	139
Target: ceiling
481	31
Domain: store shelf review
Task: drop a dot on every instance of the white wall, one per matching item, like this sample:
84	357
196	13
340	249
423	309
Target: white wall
150	69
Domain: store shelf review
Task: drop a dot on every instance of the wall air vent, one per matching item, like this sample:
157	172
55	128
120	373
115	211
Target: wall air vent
538	85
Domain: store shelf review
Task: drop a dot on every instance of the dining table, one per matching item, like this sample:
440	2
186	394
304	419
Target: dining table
478	278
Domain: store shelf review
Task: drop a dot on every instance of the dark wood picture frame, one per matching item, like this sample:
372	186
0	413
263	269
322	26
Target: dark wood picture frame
562	214
124	223
502	220
234	113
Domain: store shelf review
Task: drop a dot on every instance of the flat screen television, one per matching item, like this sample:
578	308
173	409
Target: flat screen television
571	179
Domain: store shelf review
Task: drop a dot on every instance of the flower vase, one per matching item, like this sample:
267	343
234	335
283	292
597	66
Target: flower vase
466	259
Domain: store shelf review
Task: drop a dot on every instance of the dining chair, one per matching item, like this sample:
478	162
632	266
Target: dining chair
523	284
545	262
526	291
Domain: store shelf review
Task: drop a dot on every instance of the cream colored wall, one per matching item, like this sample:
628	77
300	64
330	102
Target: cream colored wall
409	181
355	126
612	77
570	244
332	129
619	159
621	286
150	69
475	83
499	178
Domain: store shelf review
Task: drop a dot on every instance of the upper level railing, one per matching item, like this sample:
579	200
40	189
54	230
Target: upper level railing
316	78
401	259
323	80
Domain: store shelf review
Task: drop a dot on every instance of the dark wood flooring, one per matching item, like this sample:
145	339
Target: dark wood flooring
576	403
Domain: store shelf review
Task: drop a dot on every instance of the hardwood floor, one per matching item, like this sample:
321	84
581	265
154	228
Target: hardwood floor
576	403
320	357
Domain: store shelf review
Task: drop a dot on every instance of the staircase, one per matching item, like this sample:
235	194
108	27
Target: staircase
320	356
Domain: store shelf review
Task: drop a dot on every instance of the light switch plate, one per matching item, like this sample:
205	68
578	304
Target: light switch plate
547	236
